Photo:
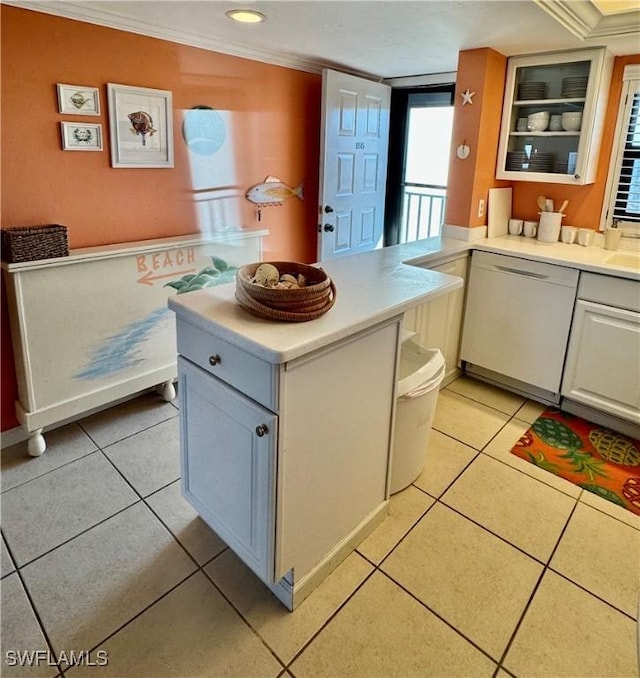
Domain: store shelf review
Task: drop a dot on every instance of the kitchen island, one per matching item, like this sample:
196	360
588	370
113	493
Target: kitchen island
287	428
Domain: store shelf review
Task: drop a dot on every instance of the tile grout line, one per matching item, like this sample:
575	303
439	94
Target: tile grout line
537	586
332	616
242	617
52	470
591	593
39	621
439	616
75	536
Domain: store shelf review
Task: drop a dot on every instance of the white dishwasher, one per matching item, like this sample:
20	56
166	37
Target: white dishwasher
516	323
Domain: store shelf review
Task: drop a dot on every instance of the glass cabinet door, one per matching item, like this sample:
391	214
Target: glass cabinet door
548	117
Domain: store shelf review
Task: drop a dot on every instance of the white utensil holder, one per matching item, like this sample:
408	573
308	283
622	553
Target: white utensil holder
549	226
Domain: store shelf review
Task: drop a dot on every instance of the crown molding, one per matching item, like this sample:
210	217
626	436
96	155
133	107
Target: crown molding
422	80
584	19
78	12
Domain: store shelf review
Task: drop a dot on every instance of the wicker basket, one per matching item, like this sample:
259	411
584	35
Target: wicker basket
30	243
291	305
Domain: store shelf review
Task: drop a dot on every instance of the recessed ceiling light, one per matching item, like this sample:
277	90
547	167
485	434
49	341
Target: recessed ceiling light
246	16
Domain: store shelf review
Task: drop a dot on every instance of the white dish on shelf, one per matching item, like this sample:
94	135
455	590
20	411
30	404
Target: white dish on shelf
572	121
538	122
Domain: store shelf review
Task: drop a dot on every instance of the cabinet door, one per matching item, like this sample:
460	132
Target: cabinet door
228	450
438	323
552	117
603	362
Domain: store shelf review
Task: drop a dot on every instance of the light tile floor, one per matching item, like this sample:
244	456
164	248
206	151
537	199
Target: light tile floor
487	565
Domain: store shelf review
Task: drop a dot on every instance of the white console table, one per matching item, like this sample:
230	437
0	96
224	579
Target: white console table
93	327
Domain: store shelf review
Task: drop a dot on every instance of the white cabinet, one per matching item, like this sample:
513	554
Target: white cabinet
603	361
569	90
288	462
438	323
228	464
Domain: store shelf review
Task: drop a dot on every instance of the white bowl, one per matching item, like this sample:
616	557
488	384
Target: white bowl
538	122
572	121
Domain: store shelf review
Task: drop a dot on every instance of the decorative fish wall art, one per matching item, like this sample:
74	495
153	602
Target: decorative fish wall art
272	192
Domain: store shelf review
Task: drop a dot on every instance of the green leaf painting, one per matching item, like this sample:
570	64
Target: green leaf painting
585	463
218	274
542	462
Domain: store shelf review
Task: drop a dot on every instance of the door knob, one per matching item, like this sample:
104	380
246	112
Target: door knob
262	430
328	209
329	228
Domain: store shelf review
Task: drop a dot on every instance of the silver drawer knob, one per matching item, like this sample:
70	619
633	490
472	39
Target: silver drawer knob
214	360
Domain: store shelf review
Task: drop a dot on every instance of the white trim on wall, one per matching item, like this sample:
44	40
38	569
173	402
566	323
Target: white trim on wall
422	80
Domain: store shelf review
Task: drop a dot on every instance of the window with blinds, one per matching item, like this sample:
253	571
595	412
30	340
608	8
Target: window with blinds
622	202
627	201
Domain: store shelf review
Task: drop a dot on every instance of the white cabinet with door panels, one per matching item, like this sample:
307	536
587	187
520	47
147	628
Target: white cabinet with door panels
288	462
602	371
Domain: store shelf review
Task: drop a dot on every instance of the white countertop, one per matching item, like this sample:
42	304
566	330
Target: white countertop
592	258
371	287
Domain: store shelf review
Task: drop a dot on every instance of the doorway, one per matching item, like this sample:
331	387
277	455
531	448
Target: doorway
419	145
353	164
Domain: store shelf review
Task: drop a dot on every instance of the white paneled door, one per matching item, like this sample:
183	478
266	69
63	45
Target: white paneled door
353	164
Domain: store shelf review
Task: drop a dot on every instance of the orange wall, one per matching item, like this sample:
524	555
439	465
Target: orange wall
276	118
478	126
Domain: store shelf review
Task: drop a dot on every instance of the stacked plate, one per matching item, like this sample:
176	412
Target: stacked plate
531	90
515	160
540	162
574	88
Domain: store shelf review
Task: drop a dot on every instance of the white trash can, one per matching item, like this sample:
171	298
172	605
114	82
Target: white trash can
421	373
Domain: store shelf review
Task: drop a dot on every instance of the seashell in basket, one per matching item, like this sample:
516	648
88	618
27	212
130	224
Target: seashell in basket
293	303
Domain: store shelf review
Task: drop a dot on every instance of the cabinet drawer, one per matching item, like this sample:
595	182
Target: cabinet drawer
609	290
242	370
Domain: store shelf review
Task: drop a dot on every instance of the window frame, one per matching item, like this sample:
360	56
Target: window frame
630	84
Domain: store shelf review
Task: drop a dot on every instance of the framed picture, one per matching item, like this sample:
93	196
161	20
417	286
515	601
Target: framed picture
78	100
81	136
141	126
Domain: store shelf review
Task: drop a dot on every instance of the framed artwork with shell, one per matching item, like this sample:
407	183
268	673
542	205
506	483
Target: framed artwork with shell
78	100
141	126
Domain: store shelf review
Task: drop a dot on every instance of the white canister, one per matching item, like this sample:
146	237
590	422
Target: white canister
568	234
549	226
612	238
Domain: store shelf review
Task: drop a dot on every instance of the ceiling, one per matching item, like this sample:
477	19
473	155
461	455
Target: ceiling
380	38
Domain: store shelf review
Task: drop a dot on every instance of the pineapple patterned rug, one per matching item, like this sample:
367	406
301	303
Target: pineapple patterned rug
593	457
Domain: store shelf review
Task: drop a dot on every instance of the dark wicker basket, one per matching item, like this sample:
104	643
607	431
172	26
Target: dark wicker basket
292	305
30	243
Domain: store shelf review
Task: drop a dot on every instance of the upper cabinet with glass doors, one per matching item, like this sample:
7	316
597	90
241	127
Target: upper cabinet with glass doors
553	114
